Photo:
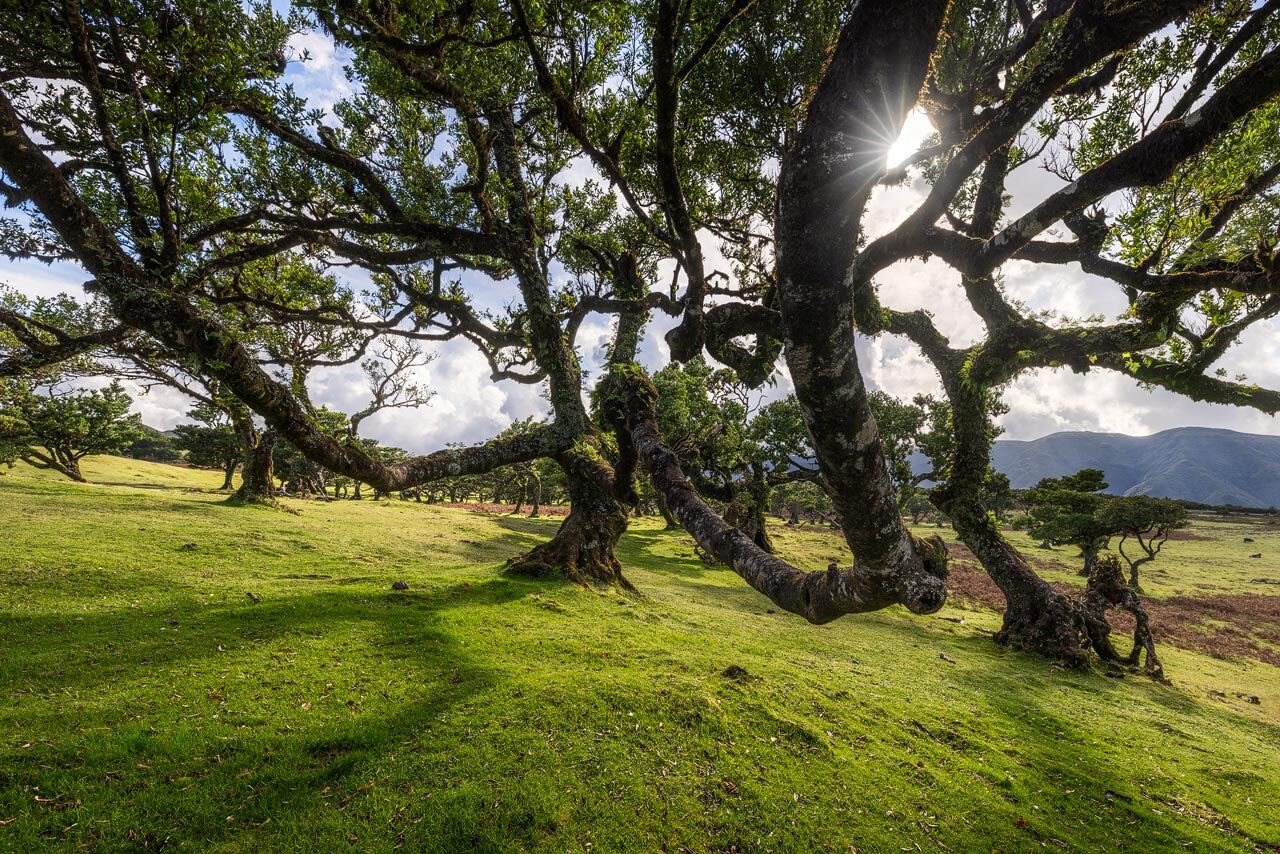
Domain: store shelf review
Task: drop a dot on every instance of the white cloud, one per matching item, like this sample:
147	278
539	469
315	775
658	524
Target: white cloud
468	407
43	280
317	69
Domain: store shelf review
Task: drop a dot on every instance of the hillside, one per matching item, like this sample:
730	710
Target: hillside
1193	463
147	703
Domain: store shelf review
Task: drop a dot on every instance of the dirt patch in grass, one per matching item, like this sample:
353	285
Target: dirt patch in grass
1187	535
1225	626
1237	625
508	509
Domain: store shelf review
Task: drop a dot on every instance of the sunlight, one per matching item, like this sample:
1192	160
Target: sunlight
915	130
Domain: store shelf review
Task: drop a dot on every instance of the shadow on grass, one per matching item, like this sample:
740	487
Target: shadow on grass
78	652
155	487
1105	764
642	547
257	769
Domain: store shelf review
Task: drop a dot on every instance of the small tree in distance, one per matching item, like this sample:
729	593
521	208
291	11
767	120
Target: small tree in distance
154	447
212	442
52	429
1065	513
1145	520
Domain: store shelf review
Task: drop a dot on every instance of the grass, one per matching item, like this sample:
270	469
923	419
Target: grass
1209	557
146	702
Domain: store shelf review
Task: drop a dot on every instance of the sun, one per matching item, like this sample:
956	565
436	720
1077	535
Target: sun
915	130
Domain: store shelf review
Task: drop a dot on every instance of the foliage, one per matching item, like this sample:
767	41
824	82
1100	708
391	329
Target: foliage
55	428
212	442
154	446
1064	511
1147	521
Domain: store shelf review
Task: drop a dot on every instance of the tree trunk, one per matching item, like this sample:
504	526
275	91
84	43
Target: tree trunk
71	468
1090	556
1106	589
669	521
257	485
1037	618
746	511
229	473
537	496
582	550
824	184
60	461
1133	572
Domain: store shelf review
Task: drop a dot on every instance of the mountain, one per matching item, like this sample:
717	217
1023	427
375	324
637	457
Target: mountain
1192	463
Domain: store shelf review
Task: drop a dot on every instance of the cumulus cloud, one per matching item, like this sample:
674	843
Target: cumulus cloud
317	69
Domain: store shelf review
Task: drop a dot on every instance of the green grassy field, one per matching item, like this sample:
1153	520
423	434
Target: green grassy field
147	703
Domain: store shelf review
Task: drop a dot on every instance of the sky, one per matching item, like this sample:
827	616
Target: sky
468	407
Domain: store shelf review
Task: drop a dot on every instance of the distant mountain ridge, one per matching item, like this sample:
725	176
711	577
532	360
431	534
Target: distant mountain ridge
1203	464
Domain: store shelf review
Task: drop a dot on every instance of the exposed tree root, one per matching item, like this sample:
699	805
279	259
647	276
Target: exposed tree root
1108	589
582	551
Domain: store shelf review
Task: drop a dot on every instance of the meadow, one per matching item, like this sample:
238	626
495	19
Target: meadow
179	674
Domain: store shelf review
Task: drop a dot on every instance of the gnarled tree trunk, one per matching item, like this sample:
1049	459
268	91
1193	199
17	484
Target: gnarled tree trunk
582	550
1107	589
1037	618
257	484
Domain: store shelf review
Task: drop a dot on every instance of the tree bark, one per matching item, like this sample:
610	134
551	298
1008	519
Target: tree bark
627	401
668	520
1107	589
1090	556
582	550
746	511
1036	618
228	475
257	485
64	464
867	90
71	469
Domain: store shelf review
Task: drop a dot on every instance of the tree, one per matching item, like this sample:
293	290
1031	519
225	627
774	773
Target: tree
1067	511
732	452
752	127
37	334
52	428
919	507
1145	520
155	447
212	442
902	426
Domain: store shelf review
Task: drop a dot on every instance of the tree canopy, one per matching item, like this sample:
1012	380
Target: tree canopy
1145	520
55	428
1066	511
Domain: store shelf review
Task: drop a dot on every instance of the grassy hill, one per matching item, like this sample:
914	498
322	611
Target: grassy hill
146	702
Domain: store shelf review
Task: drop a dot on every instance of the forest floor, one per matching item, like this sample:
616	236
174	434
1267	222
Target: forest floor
148	702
